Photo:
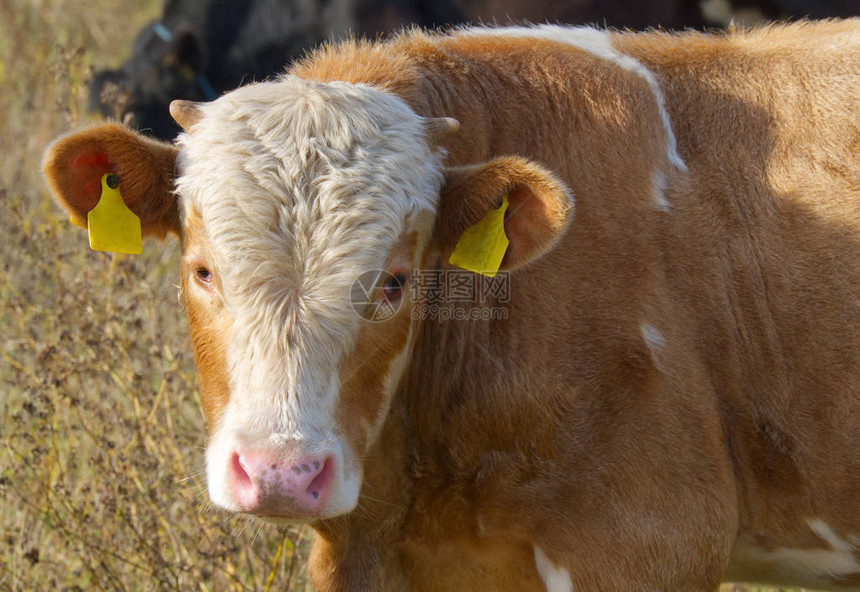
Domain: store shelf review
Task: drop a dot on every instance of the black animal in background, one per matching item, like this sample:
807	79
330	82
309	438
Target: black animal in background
201	48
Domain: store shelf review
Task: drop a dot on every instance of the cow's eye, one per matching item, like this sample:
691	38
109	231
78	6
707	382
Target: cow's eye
203	275
393	286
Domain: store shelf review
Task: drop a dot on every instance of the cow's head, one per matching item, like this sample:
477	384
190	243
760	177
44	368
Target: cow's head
288	191
164	65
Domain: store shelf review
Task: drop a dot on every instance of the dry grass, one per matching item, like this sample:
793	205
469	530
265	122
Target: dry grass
102	434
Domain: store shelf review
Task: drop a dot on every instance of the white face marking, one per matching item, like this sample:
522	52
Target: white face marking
555	579
301	186
392	379
655	341
598	43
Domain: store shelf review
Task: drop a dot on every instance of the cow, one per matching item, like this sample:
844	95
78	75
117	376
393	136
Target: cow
197	49
672	395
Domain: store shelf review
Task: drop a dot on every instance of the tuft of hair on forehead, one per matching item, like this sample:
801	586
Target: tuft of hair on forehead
300	186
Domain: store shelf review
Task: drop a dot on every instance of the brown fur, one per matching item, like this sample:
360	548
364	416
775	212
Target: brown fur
209	322
633	469
74	165
556	427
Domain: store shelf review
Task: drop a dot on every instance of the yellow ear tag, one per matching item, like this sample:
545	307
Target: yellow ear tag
482	246
112	226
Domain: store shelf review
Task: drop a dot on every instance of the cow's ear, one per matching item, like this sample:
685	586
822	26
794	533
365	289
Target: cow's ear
74	166
539	206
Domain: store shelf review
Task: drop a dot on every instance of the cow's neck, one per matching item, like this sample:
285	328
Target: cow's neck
363	546
422	490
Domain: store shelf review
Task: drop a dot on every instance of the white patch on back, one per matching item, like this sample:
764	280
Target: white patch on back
598	43
659	186
555	579
655	341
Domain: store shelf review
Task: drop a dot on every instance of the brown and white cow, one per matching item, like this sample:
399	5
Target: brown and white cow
673	395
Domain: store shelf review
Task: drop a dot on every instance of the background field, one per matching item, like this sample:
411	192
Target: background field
101	429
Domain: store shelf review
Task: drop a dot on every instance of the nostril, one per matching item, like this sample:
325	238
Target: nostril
242	478
321	481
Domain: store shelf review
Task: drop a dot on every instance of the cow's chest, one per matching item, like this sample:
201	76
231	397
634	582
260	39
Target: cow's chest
470	565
